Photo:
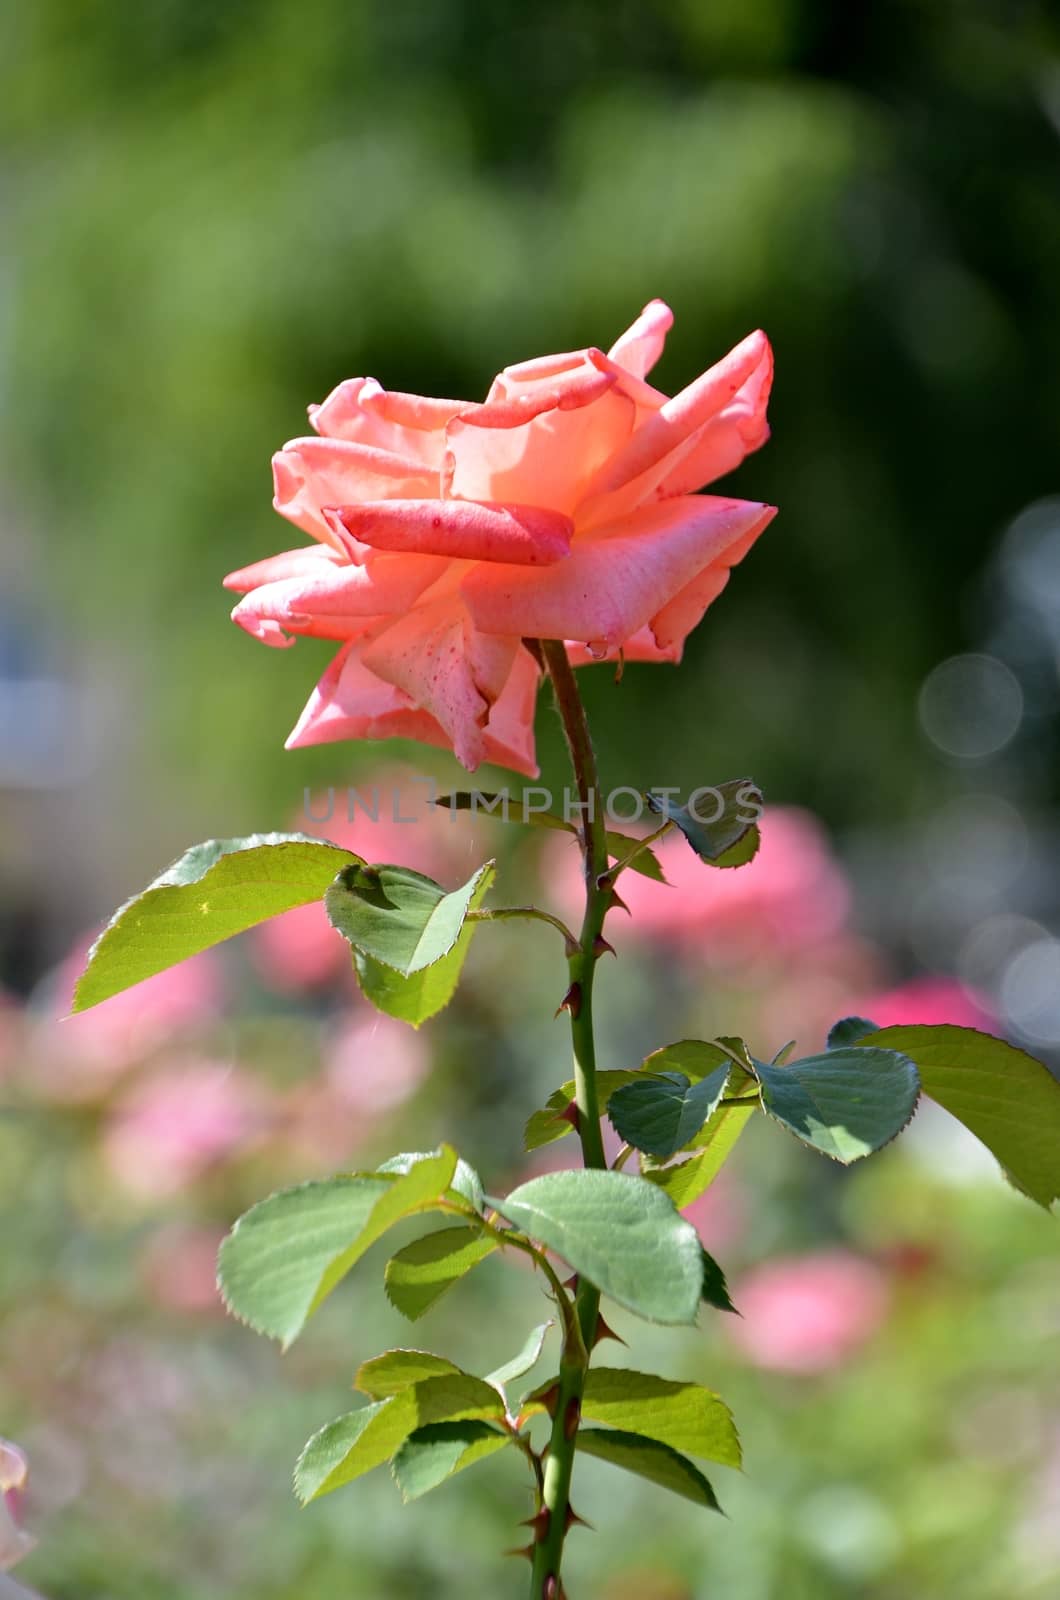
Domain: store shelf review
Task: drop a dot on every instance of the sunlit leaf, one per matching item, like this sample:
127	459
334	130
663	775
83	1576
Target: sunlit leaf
521	1364
549	1124
845	1103
620	1233
398	917
685	1416
1004	1096
386	1375
213	891
285	1256
660	1112
432	1455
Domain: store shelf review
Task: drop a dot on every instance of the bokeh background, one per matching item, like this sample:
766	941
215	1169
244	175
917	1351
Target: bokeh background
215	211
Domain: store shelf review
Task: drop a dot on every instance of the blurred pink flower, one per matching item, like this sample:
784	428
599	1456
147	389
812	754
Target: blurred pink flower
930	1000
720	1213
301	950
792	894
808	1314
179	1267
84	1054
14	1541
175	1125
375	1063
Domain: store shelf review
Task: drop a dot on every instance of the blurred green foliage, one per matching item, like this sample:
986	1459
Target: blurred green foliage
217	211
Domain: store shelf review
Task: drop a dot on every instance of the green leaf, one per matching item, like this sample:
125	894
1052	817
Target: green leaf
521	1364
500	806
546	1126
619	1232
417	1276
743	851
685	1416
436	1453
465	1180
649	1459
716	838
845	1103
850	1030
285	1256
417	998
352	1445
394	1370
213	891
715	1289
399	917
687	1180
661	1112
1007	1098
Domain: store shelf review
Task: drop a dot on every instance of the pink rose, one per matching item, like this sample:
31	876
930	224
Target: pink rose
928	1000
448	531
177	1124
809	1313
14	1541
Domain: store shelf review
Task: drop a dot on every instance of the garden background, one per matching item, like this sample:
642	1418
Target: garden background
215	212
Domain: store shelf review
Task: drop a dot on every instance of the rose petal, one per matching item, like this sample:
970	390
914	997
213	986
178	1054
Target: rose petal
288	564
639	348
674	622
329	601
464	530
445	669
640	646
615	579
497	455
313	473
680	417
410	425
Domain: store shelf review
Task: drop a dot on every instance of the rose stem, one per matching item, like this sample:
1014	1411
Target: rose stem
559	1461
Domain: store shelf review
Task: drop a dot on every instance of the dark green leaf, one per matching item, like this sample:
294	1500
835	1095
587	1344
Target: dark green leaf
661	1112
397	916
716	822
436	1453
352	1445
1004	1096
619	1232
715	1289
285	1256
850	1030
418	998
213	891
845	1103
687	1180
649	1459
546	1126
420	1274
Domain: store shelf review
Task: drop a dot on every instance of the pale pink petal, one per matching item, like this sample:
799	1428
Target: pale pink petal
616	579
289	564
543	462
680	418
640	646
722	443
333	601
410	425
436	658
672	625
509	733
312	474
14	1541
350	702
463	530
639	348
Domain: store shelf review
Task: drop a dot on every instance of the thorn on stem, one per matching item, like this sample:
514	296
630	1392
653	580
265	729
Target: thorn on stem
574	1521
604	1331
602	948
539	1524
571	1283
618	904
572	1417
572	1115
521	1550
572	1001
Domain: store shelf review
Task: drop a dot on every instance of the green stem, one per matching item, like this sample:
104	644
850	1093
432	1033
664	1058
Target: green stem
574	1362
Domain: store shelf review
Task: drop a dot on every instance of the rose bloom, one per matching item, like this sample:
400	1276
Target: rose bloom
928	1000
448	531
14	1541
808	1314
